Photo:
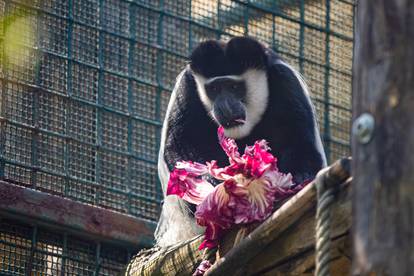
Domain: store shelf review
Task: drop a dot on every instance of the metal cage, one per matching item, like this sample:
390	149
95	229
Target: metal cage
84	88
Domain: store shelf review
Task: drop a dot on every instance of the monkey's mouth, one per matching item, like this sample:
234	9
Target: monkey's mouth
234	123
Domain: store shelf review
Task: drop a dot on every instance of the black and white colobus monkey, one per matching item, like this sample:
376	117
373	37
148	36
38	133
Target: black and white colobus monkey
248	89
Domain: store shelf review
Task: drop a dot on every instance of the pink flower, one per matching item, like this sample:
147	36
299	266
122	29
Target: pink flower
186	182
202	268
251	183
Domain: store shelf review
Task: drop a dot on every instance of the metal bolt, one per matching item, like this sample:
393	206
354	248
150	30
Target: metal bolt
363	128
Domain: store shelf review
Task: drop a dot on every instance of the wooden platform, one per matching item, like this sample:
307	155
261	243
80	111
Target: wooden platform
282	245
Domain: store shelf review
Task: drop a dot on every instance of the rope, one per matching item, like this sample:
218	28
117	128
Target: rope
326	194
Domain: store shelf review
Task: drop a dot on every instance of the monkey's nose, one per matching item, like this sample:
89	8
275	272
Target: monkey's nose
229	111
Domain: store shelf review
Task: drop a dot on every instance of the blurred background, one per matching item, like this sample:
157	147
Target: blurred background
84	88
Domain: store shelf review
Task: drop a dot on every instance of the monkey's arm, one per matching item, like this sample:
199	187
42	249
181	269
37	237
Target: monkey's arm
301	152
188	134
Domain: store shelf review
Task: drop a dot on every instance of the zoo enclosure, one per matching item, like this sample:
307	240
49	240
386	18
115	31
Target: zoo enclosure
85	85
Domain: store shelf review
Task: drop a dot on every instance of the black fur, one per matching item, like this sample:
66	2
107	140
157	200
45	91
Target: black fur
288	123
214	58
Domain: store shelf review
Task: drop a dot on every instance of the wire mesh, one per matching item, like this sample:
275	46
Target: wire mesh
85	85
33	250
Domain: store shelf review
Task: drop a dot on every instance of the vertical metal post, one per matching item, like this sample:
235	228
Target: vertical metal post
132	43
302	35
99	104
190	33
64	254
327	131
159	79
3	102
29	264
218	33
274	7
160	53
97	259
35	107
246	18
69	97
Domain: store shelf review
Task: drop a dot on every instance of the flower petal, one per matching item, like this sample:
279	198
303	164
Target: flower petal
186	182
229	146
250	185
214	213
202	268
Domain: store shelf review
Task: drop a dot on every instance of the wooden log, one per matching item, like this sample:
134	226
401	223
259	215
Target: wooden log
275	225
297	243
383	168
288	235
181	259
76	217
304	264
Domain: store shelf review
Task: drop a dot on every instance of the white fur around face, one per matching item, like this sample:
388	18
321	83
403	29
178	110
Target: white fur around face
256	99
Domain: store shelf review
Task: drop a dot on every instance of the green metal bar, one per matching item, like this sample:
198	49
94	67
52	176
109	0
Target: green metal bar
159	79
246	18
3	94
98	262
218	29
190	31
274	46
132	32
70	92
64	254
327	133
35	109
99	106
160	42
302	36
29	265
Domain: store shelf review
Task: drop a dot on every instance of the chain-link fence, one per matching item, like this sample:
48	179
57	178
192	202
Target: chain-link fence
85	85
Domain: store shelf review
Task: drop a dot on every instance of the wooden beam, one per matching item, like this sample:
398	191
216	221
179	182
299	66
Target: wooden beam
285	237
57	212
384	167
269	231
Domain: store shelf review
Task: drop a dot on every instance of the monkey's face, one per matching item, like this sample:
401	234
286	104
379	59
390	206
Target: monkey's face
228	98
232	84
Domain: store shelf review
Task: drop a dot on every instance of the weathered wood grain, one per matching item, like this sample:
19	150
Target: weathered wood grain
384	168
270	230
181	259
288	236
296	243
304	264
75	217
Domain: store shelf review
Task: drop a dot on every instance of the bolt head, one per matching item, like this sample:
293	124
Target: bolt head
363	128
